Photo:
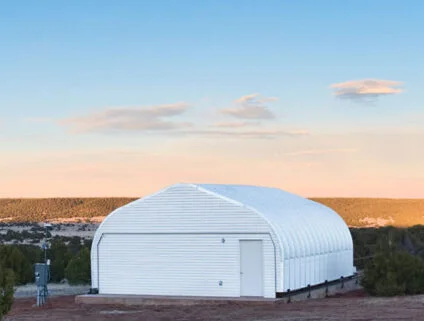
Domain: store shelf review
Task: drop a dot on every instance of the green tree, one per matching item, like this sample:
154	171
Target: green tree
33	254
59	255
74	245
78	270
6	290
394	272
12	258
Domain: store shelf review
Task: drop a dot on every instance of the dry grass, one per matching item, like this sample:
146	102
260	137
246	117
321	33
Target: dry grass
358	212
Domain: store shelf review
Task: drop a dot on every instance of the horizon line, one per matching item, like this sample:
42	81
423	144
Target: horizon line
139	197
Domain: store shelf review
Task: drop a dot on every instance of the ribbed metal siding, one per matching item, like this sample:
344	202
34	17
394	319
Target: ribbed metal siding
177	264
316	242
181	209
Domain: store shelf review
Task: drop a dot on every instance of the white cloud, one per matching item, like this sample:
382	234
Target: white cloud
249	112
252	98
153	118
156	119
251	107
246	98
366	88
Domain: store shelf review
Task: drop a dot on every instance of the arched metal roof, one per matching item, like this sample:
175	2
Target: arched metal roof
305	227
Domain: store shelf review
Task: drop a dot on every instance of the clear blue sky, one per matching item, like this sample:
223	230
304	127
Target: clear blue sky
65	60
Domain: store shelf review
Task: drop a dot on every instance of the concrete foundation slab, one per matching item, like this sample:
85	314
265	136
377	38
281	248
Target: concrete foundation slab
321	291
163	300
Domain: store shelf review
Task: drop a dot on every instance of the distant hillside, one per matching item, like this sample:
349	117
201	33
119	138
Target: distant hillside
36	210
357	212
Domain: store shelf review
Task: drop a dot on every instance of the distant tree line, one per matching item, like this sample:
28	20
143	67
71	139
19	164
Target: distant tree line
33	236
70	259
364	212
355	211
39	210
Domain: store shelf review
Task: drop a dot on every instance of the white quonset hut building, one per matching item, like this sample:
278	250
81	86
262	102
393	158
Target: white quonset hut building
219	241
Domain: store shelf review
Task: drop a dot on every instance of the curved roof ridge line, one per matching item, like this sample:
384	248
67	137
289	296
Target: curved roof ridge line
240	204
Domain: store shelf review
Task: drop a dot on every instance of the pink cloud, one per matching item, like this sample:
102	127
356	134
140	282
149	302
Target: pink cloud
251	107
152	118
371	88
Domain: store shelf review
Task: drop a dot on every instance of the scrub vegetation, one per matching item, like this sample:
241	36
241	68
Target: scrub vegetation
392	259
38	210
70	260
377	212
6	290
357	212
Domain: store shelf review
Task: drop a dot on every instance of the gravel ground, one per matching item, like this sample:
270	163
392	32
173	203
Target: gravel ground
347	307
55	289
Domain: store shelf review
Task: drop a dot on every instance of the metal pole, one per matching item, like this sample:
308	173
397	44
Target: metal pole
45	243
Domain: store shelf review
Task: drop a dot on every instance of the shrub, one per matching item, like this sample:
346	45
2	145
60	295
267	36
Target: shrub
59	255
78	270
12	258
6	290
394	272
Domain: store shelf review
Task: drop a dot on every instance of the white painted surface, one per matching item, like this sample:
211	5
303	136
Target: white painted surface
251	268
195	265
312	242
315	241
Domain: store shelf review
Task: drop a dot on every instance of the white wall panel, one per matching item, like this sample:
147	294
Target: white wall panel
178	264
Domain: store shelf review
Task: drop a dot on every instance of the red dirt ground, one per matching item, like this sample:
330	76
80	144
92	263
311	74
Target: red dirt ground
353	306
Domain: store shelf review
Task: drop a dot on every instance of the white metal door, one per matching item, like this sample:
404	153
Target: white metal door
190	265
251	268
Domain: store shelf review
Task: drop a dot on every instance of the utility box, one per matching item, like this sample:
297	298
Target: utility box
42	274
